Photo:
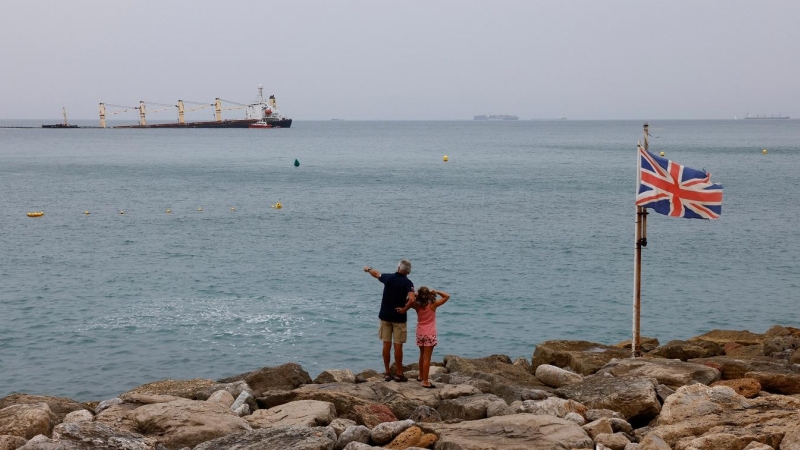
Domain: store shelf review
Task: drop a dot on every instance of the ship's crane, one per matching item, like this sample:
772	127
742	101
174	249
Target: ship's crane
103	111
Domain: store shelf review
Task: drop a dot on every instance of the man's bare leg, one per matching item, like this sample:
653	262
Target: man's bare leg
398	359
387	357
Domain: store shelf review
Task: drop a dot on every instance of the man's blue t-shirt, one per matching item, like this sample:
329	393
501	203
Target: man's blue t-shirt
396	287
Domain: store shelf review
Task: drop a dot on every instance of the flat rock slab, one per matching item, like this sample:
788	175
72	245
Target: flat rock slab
670	372
512	432
722	337
294	438
306	413
583	357
176	388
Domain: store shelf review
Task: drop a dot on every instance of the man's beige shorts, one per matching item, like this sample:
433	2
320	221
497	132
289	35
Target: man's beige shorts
389	329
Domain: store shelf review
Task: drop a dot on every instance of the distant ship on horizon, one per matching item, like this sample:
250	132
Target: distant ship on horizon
496	117
779	116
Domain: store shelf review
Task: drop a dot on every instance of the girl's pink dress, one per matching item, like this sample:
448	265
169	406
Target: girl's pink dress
426	327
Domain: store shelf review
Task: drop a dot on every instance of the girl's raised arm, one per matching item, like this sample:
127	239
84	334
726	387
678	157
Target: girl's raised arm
444	298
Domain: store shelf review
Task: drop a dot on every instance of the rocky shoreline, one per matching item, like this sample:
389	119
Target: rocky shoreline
732	390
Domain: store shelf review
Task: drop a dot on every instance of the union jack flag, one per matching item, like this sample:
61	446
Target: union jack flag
675	190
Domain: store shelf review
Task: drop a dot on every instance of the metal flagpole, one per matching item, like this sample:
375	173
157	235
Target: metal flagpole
641	241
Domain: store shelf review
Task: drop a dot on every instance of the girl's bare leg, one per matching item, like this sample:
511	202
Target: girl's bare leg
427	352
421	360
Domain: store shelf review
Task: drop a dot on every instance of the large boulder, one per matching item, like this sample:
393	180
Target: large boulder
722	337
27	420
633	397
686	350
671	372
292	437
732	368
60	406
285	377
373	415
387	431
177	388
468	408
787	383
344	396
413	437
698	411
90	436
746	387
186	423
646	344
306	413
336	376
505	379
512	432
555	376
582	357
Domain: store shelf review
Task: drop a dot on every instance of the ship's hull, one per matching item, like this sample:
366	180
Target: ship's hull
242	123
59	125
280	123
768	118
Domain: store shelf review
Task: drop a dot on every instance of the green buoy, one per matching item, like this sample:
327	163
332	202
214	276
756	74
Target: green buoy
296	163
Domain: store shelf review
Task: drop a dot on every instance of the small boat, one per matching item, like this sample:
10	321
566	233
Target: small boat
260	124
61	125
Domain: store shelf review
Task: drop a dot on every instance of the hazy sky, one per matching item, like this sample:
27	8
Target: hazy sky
406	59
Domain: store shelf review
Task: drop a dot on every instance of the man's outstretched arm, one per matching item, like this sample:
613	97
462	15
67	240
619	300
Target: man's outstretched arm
372	271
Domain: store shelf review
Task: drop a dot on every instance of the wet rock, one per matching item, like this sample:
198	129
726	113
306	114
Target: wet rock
672	373
306	413
583	357
686	350
633	397
285	377
387	431
27	420
513	432
556	377
374	414
335	376
292	437
60	406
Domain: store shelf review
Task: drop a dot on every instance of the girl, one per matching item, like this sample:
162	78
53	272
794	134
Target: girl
425	305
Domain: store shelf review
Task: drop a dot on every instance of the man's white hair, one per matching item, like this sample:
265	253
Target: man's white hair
404	266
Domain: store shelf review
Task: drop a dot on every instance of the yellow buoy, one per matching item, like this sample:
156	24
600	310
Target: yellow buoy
199	209
662	153
764	151
169	211
233	209
444	158
278	205
86	213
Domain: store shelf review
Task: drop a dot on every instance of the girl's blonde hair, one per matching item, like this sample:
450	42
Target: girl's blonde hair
424	297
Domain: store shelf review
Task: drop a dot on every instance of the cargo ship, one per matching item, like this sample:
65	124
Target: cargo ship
61	125
779	116
260	111
496	117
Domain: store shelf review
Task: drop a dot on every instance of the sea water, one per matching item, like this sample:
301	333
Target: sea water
529	226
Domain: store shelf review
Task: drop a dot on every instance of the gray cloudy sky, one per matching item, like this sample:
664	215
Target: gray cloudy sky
412	59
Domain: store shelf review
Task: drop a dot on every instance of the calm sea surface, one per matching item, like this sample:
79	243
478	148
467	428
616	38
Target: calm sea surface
529	226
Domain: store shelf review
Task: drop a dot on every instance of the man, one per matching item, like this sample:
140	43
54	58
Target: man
398	292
